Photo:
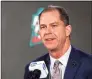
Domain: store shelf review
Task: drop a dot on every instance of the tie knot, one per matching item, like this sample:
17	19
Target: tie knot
56	64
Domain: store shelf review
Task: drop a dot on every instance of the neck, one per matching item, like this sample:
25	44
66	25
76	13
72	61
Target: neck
61	51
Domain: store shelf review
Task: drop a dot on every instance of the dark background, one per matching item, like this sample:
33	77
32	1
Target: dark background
16	31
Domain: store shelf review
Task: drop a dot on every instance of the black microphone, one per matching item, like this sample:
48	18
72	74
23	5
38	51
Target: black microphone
34	74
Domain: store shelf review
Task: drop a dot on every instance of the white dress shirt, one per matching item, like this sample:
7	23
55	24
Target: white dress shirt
63	60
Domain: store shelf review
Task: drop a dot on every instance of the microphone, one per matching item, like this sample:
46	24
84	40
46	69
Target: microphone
35	74
38	70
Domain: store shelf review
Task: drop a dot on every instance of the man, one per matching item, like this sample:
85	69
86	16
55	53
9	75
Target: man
55	34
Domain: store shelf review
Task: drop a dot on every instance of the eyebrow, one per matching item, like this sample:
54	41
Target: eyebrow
50	23
42	24
54	23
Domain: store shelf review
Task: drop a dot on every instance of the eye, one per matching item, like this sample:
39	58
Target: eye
42	27
54	25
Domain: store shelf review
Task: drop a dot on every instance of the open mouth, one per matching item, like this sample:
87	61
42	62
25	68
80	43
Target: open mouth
49	39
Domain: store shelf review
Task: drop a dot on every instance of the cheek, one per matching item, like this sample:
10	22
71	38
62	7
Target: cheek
41	35
60	34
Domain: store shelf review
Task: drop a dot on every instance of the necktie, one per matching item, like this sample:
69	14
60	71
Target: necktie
56	73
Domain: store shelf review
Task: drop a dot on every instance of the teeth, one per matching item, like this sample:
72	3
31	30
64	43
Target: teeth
49	39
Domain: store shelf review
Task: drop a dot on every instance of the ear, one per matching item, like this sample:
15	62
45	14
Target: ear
68	30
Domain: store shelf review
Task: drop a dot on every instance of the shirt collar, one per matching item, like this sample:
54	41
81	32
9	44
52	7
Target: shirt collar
63	59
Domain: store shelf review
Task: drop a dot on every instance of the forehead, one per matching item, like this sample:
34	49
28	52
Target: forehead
49	16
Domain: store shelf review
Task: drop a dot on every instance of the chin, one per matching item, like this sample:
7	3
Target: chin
51	48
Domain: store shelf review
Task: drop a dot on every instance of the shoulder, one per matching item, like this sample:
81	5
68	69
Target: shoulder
83	56
42	58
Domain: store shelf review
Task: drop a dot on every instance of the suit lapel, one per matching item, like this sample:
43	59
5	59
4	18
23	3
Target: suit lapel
73	64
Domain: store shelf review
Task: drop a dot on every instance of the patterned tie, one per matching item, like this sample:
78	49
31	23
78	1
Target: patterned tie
56	74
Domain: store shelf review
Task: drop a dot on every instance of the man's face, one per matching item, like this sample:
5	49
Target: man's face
53	31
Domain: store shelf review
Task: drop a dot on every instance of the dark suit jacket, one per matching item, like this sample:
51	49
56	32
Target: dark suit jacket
79	65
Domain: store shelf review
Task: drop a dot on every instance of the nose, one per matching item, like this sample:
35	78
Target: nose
48	30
